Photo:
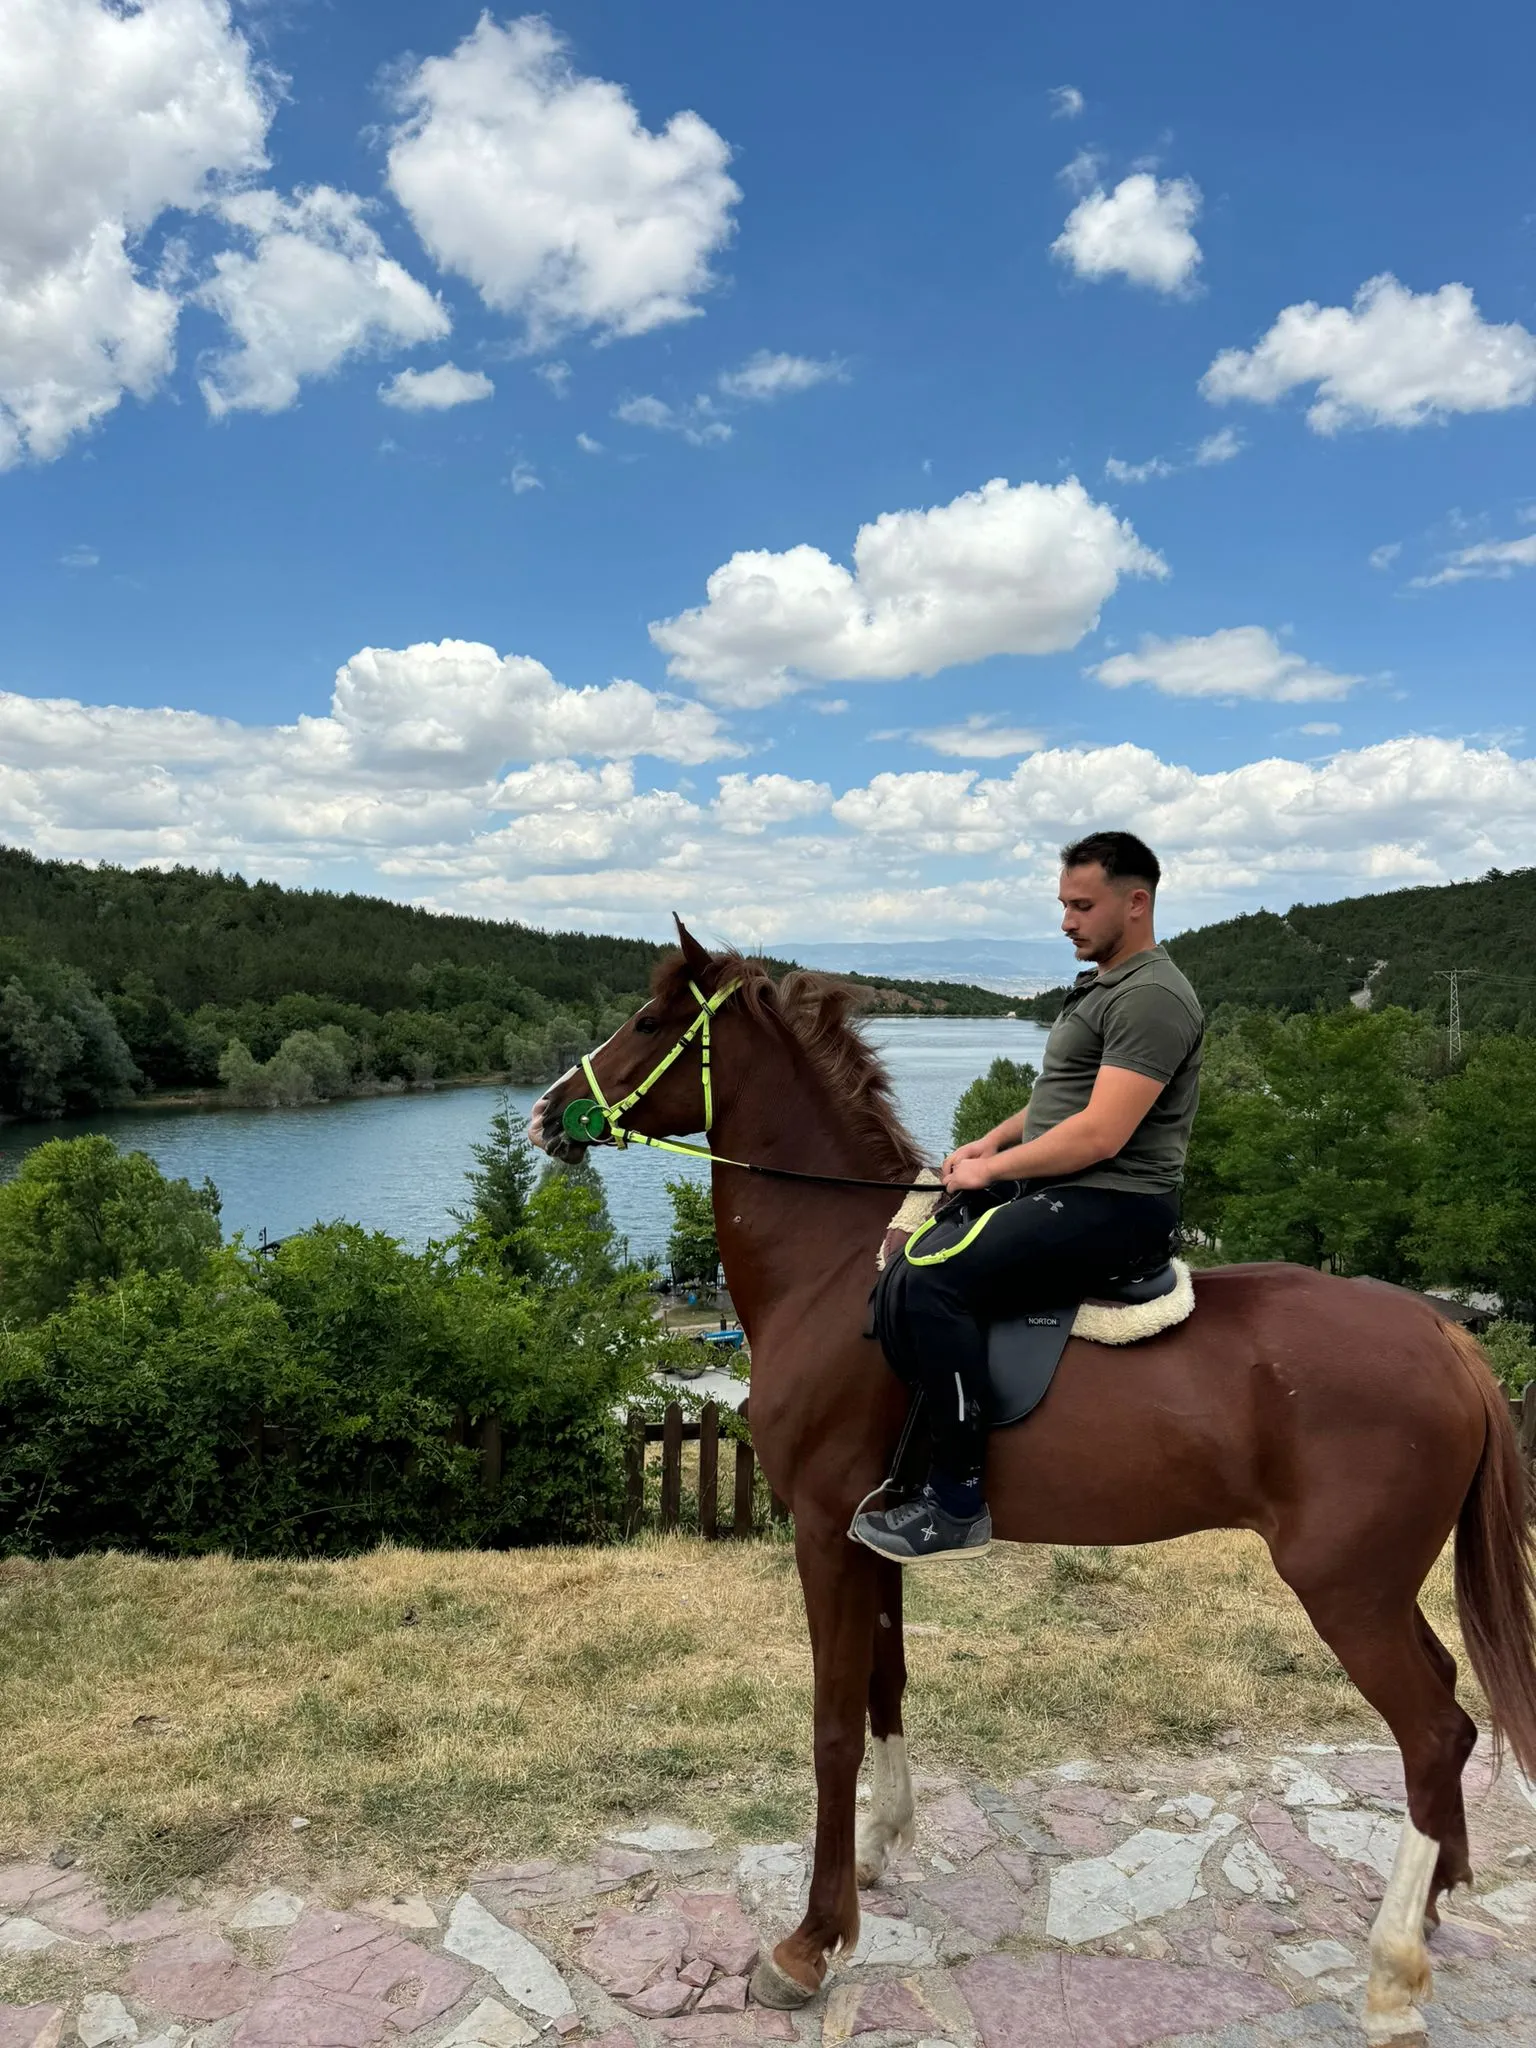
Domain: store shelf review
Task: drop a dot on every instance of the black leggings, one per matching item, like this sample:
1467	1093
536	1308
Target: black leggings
1047	1247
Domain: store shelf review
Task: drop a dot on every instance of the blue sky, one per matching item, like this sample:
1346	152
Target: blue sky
1172	517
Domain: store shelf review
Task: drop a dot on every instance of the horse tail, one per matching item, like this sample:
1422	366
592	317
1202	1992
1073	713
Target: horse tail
1495	1572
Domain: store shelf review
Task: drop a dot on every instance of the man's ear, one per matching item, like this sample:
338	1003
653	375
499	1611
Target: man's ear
694	954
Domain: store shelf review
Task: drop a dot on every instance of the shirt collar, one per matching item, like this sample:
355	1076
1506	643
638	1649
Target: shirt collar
1131	966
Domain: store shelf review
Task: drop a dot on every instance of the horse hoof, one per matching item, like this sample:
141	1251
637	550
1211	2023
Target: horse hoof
775	1987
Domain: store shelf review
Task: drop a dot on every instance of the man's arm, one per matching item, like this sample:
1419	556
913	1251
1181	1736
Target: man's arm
1119	1101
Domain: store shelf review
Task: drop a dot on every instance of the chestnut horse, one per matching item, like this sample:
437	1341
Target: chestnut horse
1343	1420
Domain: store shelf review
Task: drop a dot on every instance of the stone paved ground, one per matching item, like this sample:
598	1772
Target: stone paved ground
1219	1902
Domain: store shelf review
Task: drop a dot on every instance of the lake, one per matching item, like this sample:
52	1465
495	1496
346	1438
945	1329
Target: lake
397	1162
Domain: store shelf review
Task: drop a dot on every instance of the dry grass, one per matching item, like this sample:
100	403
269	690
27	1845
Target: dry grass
425	1711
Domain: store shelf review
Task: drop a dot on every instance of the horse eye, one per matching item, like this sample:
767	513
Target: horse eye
648	1025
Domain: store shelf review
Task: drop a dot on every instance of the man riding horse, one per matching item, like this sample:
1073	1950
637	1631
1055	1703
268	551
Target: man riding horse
1079	1188
1345	1422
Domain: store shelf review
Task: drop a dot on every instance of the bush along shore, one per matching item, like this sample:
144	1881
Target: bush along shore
165	1392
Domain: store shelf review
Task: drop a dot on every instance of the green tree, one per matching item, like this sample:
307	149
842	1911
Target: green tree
693	1251
60	1048
1307	1143
500	1183
1001	1092
80	1213
569	1233
1477	1211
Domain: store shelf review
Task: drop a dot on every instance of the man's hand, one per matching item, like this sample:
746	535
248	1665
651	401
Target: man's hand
967	1169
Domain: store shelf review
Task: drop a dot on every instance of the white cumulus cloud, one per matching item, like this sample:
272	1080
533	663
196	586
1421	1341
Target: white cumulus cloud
316	288
1240	661
696	421
437	390
748	804
1009	569
110	117
765	375
1120	472
1488	559
1066	102
1396	358
544	189
1141	231
980	737
1222	446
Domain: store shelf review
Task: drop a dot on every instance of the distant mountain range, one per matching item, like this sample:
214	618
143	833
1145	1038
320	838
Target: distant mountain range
1014	967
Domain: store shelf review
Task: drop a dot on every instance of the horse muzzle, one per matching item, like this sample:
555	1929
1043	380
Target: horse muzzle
563	1123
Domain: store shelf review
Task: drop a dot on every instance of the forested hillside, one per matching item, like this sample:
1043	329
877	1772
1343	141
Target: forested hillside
1396	947
115	980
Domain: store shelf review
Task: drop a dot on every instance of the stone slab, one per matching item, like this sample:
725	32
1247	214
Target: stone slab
104	2021
1249	1868
1373	1775
1302	1785
658	2001
194	1976
900	1943
956	1825
524	1972
268	1909
494	2025
756	2024
771	1873
31	2026
1356	1837
627	1951
984	1905
1290	1848
20	1935
1101	2002
350	1954
719	1932
665	1838
726	1994
1153	1873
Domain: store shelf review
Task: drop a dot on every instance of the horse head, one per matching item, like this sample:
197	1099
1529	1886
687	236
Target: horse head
672	1099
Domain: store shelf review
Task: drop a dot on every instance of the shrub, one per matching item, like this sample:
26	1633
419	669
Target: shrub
80	1213
327	1399
1511	1349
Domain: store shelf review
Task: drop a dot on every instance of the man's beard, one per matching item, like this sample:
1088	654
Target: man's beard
1105	948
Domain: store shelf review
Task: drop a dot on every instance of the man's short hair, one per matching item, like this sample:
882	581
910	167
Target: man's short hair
1122	856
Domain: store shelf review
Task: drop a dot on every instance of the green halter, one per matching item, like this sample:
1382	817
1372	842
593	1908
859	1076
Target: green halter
589	1120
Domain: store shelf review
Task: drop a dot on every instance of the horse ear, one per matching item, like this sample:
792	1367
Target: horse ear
697	956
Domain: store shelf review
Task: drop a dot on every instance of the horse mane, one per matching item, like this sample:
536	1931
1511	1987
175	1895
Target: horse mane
815	1010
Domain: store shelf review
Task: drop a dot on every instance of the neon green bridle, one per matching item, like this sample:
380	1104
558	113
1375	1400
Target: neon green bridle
595	1119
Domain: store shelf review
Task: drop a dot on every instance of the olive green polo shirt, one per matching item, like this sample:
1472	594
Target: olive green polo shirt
1142	1015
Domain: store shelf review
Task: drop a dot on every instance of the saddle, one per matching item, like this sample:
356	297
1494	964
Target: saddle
1024	1351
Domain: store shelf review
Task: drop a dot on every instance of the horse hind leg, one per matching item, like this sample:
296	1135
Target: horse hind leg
1383	1649
1454	1865
887	1824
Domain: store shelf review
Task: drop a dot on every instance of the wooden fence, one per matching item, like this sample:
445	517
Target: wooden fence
672	1433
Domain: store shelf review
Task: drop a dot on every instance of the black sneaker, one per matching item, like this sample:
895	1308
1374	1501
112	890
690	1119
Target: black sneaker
918	1531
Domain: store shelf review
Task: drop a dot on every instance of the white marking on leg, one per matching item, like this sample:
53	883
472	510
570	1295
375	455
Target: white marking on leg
1400	1970
888	1823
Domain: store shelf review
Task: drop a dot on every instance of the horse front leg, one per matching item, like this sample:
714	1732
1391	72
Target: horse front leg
840	1581
887	1825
